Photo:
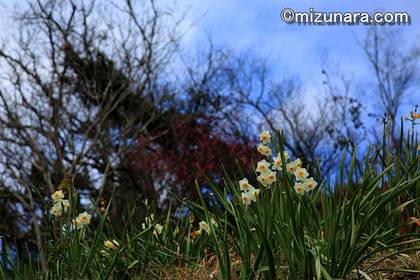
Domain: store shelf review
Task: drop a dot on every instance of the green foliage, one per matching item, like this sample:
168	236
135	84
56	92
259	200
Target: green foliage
328	232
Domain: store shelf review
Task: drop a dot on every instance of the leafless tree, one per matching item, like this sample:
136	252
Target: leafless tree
79	85
395	71
316	130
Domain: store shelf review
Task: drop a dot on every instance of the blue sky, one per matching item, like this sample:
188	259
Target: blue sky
292	49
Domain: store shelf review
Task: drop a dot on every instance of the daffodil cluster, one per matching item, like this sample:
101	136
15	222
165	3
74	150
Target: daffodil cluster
267	171
248	192
60	204
303	183
265	139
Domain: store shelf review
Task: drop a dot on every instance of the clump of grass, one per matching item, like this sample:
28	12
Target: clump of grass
322	232
283	223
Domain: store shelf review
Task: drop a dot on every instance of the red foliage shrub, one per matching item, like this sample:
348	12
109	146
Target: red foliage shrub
192	150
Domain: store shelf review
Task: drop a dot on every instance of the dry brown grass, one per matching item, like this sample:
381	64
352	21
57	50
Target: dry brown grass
208	269
394	268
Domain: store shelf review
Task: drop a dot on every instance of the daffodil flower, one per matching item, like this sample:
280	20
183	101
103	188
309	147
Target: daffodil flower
299	188
263	166
310	184
263	180
65	203
298	162
271	177
60	207
246	199
254	194
267	178
265	137
82	220
204	226
277	163
250	196
57	196
157	229
264	150
111	244
291	167
244	184
301	174
56	210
